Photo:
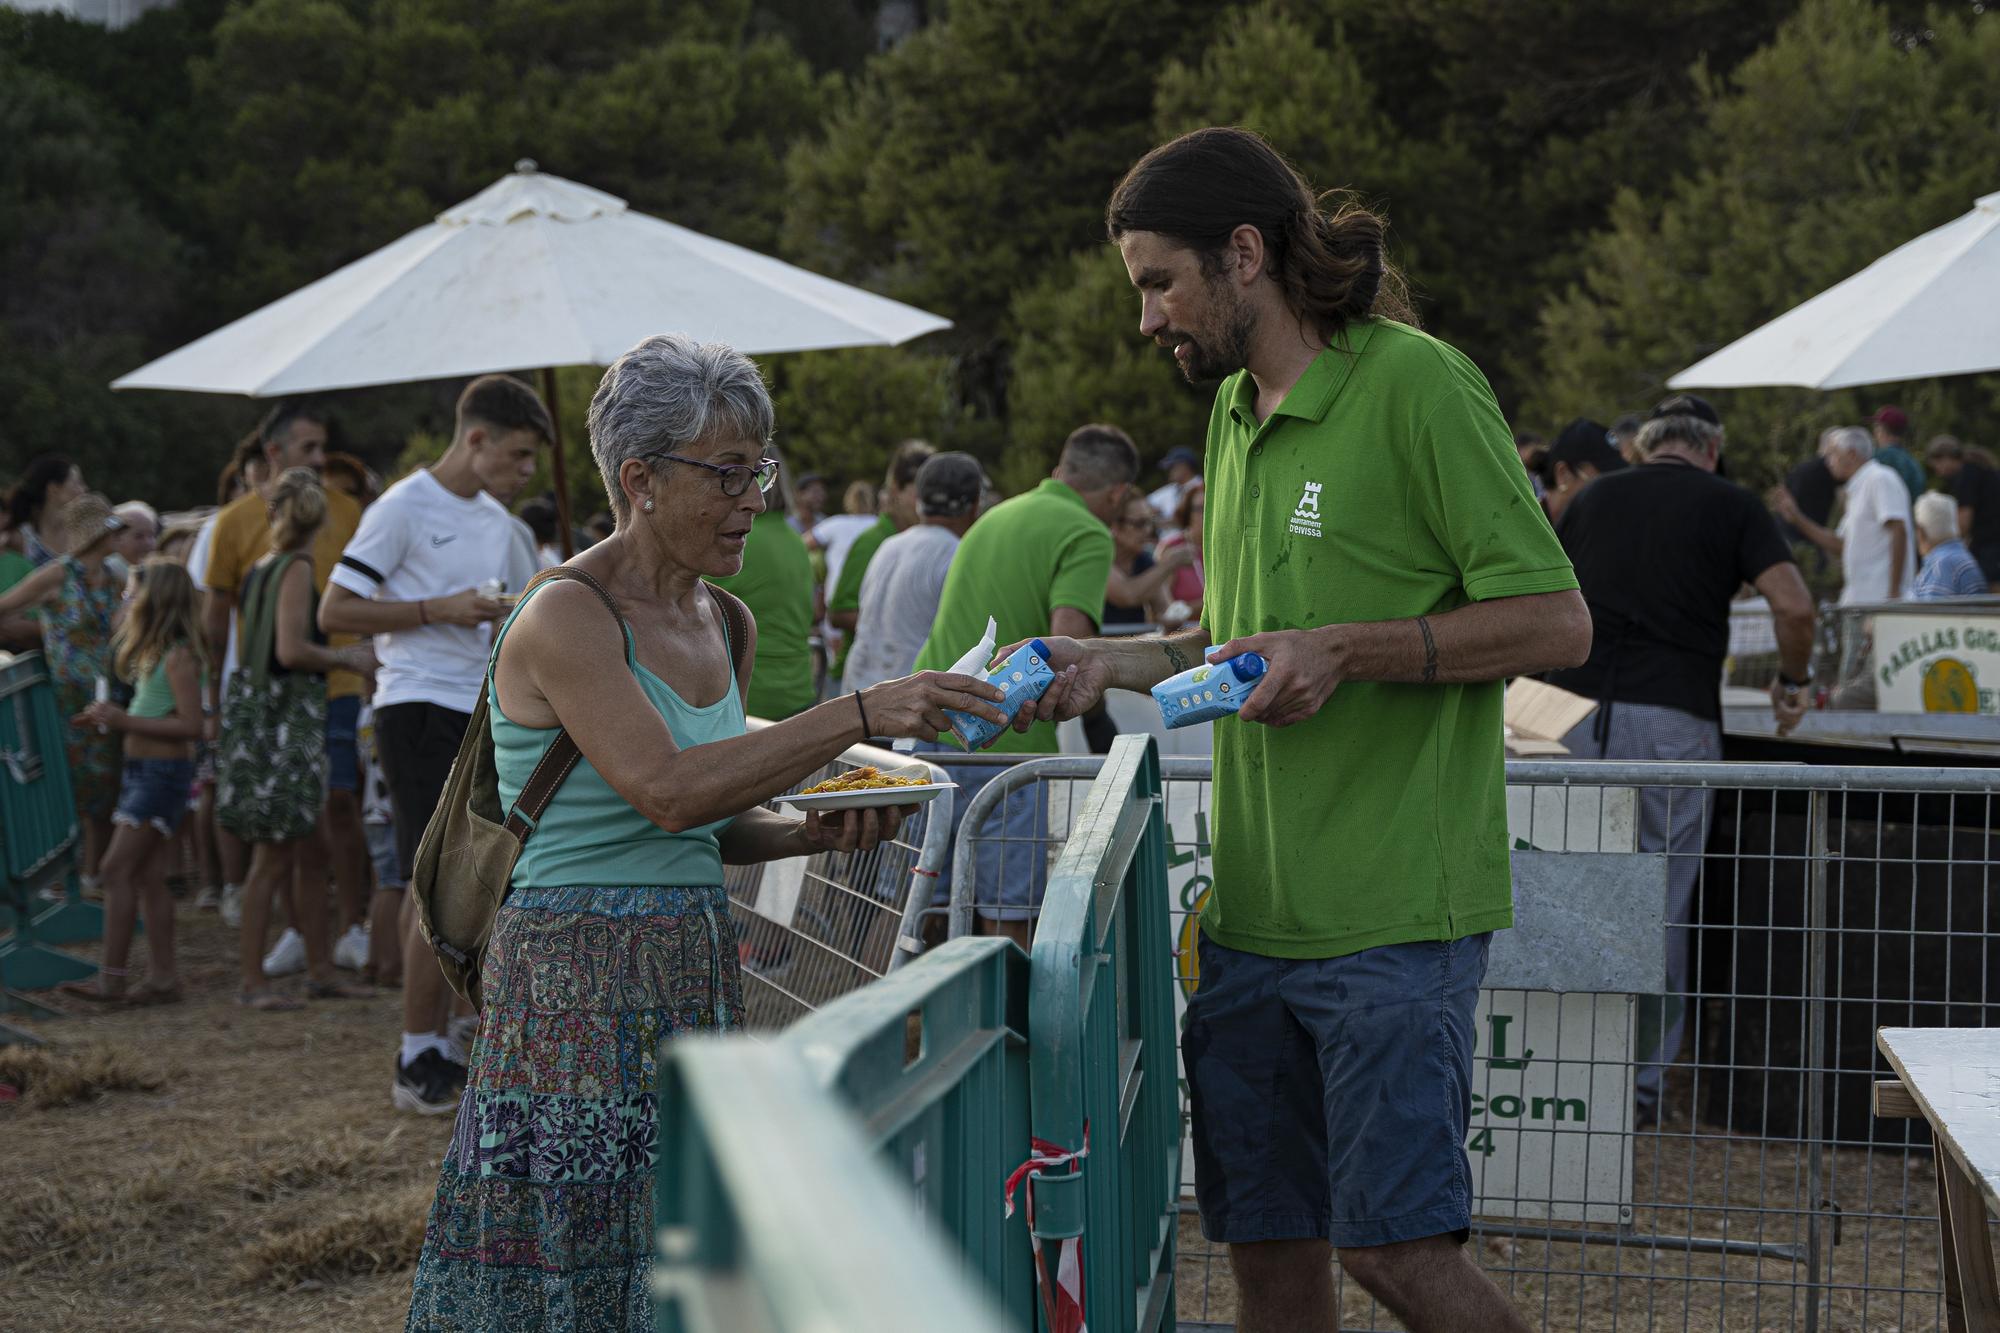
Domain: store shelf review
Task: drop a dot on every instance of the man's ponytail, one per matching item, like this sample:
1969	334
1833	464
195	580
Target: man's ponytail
1327	252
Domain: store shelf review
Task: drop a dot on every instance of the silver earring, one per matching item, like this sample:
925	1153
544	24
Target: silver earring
649	506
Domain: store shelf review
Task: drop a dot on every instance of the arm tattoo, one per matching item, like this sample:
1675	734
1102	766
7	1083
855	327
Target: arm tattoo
1175	658
1430	651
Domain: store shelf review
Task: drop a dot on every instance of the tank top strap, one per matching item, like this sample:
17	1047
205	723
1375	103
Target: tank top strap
631	645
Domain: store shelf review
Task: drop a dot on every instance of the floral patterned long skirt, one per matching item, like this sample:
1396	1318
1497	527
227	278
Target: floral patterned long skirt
544	1209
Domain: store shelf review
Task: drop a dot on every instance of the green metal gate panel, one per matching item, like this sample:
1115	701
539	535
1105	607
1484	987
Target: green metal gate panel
1102	1044
775	1215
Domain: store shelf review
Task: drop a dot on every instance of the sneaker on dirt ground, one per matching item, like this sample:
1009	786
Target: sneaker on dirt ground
287	956
428	1085
232	905
351	950
208	899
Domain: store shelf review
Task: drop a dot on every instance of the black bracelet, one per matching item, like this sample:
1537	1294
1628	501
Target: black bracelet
866	730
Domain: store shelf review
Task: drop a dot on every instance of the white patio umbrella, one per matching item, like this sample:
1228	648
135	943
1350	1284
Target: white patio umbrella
1928	308
534	271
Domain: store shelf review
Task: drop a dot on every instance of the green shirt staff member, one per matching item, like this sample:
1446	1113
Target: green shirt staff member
776	583
899	511
1370	533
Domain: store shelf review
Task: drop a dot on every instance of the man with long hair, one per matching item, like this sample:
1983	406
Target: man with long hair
1372	535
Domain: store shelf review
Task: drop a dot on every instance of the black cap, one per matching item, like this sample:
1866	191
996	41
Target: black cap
1687	405
949	485
1180	454
1583	441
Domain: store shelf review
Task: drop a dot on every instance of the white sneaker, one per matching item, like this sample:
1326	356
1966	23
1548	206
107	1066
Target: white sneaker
461	1033
232	905
287	956
351	950
207	899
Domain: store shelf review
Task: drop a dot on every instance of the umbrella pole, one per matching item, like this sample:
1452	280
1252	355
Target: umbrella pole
565	531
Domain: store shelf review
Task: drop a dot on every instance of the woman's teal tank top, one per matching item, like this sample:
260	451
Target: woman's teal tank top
590	835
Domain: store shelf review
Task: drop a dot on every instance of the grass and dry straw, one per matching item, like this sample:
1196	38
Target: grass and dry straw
200	1167
52	1076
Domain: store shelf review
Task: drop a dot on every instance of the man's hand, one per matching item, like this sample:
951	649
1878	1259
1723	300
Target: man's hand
1788	706
1081	679
1302	670
1783	505
466	608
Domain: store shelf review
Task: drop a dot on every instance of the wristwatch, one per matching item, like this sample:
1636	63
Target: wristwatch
1795	686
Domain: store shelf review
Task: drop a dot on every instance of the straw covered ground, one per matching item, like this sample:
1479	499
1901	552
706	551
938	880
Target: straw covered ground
203	1168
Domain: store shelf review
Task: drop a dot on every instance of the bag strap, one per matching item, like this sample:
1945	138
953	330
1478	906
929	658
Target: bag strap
562	755
259	616
735	628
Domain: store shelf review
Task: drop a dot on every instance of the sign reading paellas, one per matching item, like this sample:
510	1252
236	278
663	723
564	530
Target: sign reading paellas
1936	662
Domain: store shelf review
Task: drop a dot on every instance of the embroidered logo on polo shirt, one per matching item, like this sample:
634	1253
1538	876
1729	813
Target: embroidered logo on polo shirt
1305	519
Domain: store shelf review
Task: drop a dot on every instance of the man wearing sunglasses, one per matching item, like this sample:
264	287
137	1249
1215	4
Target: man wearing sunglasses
412	577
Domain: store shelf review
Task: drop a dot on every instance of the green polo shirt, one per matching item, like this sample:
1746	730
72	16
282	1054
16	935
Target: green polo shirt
846	595
776	583
1385	486
1018	563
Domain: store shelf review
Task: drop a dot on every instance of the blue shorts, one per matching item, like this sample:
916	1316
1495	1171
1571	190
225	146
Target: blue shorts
1330	1097
153	793
343	743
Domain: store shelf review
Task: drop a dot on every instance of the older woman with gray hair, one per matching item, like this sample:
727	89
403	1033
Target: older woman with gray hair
616	933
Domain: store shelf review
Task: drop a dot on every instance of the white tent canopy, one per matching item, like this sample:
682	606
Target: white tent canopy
533	271
1928	308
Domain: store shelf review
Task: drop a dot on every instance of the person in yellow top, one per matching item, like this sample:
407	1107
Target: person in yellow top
294	434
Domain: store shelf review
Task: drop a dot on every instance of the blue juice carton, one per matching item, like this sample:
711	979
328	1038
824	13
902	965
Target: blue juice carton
1025	676
1209	691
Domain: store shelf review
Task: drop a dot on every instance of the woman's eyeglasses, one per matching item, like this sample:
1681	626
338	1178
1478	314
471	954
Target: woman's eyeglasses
736	477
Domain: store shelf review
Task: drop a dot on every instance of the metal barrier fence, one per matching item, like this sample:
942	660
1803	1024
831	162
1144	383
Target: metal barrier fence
934	1062
952	1071
1671	1123
811	929
1103	1049
776	1216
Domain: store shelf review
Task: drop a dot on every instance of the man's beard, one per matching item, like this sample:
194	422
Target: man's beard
1226	352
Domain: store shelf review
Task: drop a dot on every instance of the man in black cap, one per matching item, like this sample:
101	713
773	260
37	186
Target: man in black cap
1660	551
1581	454
1182	465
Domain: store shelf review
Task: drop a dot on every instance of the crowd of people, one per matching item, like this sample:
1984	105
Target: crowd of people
1935	533
266	696
276	691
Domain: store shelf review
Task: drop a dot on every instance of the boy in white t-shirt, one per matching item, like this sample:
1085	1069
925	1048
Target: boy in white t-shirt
418	575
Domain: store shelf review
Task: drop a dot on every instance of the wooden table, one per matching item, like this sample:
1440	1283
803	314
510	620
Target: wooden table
1951	1078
